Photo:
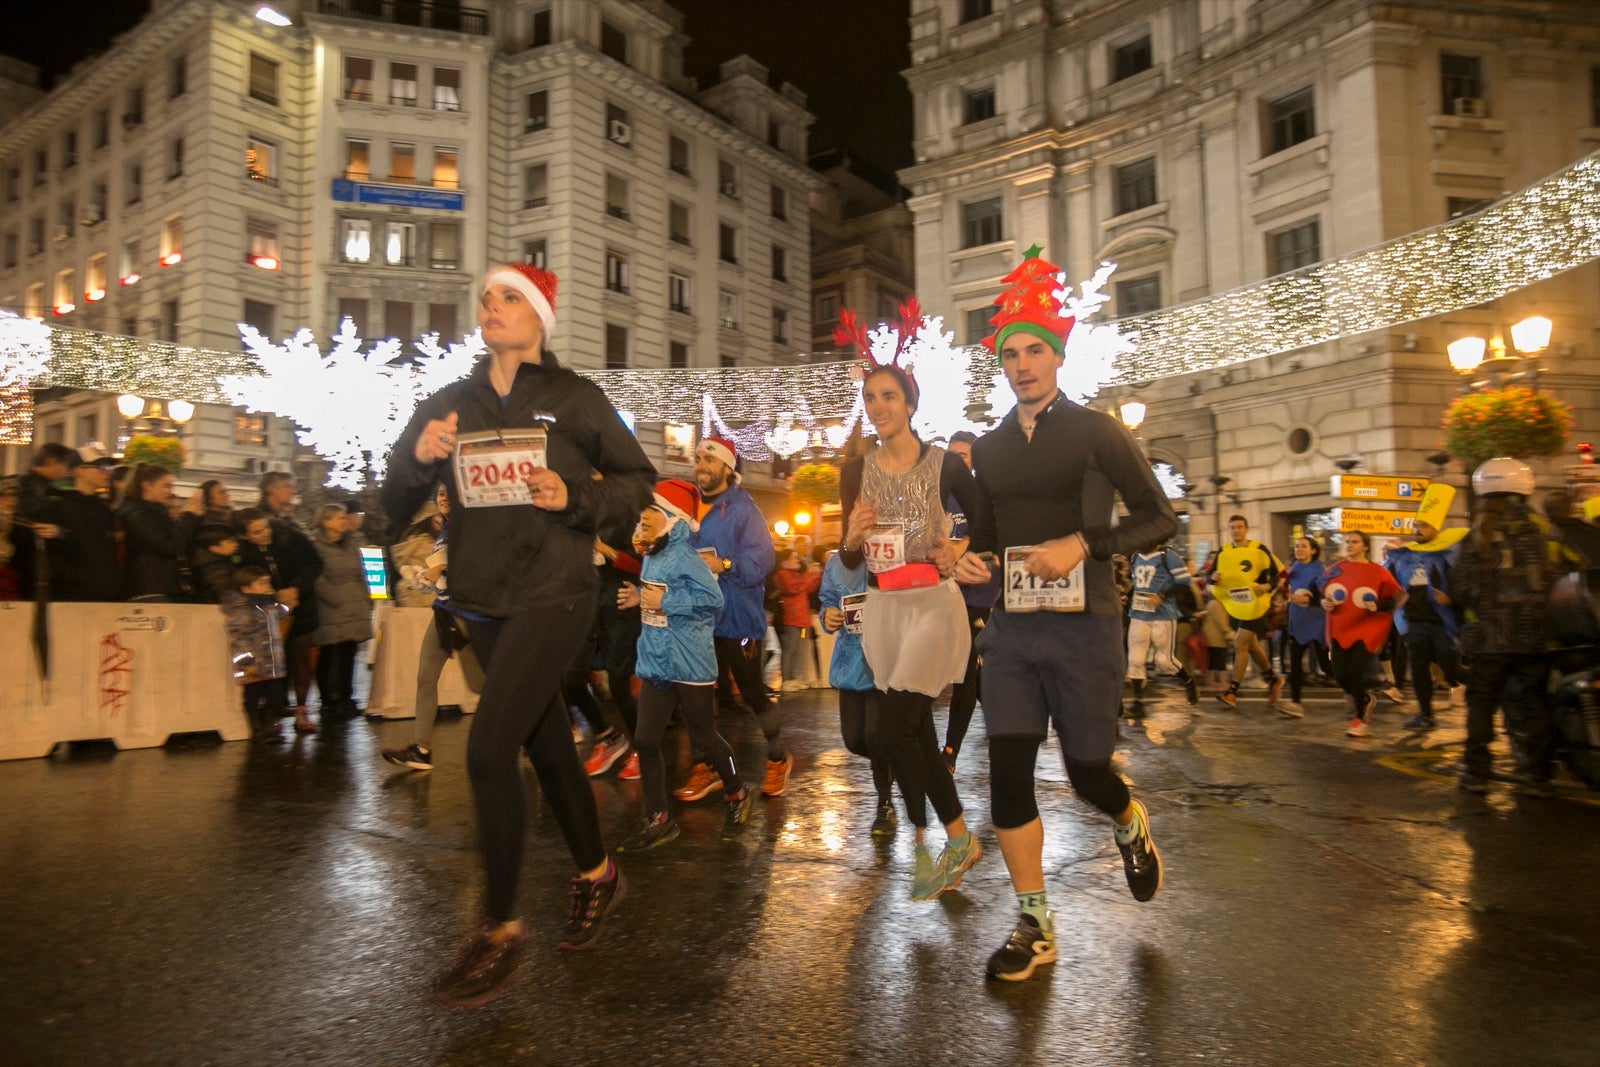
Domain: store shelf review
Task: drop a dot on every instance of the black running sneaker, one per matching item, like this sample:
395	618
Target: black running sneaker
481	972
884	824
411	756
738	814
1141	860
592	901
1191	689
1028	947
658	830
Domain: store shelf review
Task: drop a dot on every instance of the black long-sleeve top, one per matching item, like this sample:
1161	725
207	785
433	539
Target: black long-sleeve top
954	480
1065	481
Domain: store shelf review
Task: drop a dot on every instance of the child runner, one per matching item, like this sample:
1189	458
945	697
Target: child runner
678	601
843	595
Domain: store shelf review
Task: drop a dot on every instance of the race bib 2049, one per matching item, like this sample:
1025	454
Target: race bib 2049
492	468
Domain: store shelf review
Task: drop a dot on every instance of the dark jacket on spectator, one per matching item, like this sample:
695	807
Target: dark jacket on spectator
344	603
212	575
34	495
293	563
254	639
83	560
150	537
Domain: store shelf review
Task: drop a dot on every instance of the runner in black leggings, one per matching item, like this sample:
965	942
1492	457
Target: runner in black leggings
535	459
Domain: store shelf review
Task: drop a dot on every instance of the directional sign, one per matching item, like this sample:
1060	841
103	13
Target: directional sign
1378	487
1373	521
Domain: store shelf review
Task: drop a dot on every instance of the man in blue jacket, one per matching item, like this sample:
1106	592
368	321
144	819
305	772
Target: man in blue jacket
1428	623
733	537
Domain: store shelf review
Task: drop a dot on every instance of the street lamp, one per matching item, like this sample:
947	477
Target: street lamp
152	418
1529	337
1132	413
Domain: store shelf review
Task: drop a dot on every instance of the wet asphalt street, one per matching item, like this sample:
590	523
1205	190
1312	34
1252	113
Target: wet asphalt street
1327	901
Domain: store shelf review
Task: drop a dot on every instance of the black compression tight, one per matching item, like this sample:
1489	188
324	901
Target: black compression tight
907	740
858	725
1011	794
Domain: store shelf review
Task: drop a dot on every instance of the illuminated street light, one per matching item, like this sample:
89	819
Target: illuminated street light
1132	412
781	528
1531	335
1467	353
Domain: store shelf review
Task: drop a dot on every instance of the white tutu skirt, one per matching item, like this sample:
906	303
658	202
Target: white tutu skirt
916	639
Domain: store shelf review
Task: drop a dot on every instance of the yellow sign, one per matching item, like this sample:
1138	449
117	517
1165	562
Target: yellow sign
1373	521
1377	487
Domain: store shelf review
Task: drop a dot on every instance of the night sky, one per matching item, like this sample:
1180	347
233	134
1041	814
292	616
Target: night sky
846	55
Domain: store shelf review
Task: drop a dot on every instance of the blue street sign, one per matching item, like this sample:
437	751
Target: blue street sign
398	195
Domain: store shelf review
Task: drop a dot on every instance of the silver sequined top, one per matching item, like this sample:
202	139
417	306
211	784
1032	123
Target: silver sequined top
910	500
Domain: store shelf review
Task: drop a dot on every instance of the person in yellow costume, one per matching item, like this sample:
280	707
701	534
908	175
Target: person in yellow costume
1243	576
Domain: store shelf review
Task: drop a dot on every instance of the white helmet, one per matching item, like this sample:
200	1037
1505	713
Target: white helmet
1503	475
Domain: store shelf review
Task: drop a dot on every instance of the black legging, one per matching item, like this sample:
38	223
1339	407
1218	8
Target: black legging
1297	673
521	707
1352	667
336	672
1426	644
619	643
964	697
858	725
741	658
655	711
907	740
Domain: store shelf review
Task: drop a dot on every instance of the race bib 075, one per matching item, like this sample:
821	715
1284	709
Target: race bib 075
492	468
1025	592
885	549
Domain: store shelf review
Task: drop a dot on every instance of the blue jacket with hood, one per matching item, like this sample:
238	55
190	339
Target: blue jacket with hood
848	669
682	650
735	527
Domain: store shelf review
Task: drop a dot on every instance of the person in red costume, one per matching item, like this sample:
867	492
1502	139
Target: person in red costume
1360	598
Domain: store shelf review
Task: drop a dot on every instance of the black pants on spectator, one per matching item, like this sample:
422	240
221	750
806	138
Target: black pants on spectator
336	673
265	702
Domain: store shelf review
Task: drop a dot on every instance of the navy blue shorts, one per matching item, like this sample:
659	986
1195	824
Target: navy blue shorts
1054	668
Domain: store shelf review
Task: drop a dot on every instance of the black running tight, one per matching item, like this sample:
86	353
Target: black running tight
1352	667
906	738
858	725
655	711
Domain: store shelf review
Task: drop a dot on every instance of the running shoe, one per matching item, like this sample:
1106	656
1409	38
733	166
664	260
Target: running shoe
605	753
1357	728
1191	689
738	814
703	781
413	756
1420	721
1229	697
777	780
1394	694
1136	710
884	824
630	768
657	830
927	877
482	970
1141	860
1458	696
956	860
1274	689
592	901
1028	947
1291	709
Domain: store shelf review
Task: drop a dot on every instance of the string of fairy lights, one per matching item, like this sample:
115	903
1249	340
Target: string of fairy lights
1549	227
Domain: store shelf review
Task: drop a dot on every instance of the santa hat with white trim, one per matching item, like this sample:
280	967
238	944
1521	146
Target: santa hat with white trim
723	449
679	500
537	285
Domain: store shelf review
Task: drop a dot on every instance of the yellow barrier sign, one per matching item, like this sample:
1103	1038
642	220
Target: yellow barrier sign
1373	521
1378	487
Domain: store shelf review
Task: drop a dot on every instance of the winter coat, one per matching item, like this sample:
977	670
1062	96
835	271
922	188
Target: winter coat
83	560
344	603
794	593
410	558
512	559
737	530
292	562
676	645
1503	588
150	541
848	669
212	576
254	634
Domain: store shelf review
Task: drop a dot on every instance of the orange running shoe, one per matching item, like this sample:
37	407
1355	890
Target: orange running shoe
703	781
777	780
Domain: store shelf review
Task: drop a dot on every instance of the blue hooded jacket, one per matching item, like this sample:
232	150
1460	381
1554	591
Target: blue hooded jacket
735	527
682	650
848	669
1408	565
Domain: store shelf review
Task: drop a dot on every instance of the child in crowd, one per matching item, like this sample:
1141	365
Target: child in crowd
216	556
255	640
843	592
678	598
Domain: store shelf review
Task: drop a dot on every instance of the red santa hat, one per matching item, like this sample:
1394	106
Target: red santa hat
679	500
723	449
534	283
1029	304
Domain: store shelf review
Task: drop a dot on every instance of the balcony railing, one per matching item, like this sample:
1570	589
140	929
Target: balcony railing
428	14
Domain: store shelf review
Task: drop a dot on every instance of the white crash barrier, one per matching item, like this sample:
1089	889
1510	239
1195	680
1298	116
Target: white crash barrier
131	673
399	632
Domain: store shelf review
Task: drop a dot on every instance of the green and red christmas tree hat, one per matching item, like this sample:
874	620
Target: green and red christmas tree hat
1029	305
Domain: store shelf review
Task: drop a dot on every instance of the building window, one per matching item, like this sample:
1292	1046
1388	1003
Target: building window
442	321
167	323
397	320
973	10
355	240
728	309
1295	248
356	311
400	244
403	84
727	179
678	293
260	159
678	155
175	159
41	167
535	185
727	360
133	180
1291	120
678	224
259	314
1131	58
677	356
539	30
402	164
980	223
36	235
171	240
1138	296
1457	206
534	252
69	150
263	79
538	116
774	133
780	264
977	104
1135	185
128	263
66	293
358	79
135	113
358	161
250	427
977	324
619	130
780	326
616	347
99	203
613	42
101	125
727	243
780	203
178	75
444	245
69	219
446	89
94	280
33	302
1461	84
617	197
13	184
827	309
1594	96
13	250
262	249
446	168
616	272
